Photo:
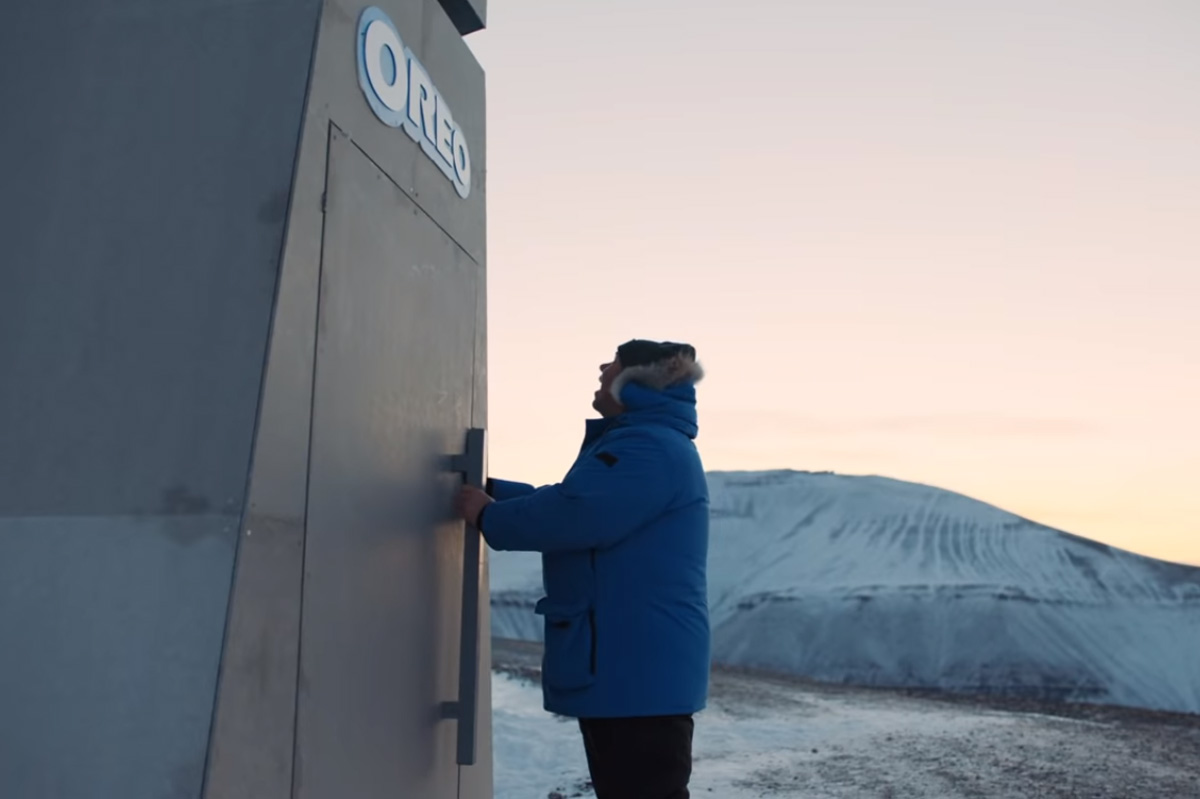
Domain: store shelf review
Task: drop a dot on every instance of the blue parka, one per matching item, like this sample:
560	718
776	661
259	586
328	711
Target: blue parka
624	539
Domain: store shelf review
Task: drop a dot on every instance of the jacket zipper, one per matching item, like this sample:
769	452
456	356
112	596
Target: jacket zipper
592	617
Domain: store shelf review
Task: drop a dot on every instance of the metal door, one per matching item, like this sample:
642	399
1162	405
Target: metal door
383	562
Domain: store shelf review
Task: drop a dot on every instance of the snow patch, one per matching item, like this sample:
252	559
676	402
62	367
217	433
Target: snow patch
765	738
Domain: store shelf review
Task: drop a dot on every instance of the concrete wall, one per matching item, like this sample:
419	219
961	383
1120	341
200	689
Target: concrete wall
147	151
164	313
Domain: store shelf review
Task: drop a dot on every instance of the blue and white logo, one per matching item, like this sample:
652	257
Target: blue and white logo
402	95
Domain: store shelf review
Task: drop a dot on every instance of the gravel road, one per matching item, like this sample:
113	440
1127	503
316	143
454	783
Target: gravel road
772	736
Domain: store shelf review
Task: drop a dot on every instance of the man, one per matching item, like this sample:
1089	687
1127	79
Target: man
624	539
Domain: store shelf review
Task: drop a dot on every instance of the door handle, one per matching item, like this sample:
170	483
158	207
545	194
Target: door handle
471	465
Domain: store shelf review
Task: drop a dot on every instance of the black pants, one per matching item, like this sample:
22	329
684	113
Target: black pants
639	758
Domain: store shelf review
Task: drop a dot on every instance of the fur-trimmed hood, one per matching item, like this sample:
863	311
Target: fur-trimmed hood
659	375
662	393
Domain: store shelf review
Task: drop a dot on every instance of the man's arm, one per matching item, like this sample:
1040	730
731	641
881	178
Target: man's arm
605	498
501	490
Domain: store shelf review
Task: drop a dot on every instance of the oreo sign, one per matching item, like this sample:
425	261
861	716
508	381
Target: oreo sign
401	93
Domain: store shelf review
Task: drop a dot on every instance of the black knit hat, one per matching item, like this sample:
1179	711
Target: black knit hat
640	352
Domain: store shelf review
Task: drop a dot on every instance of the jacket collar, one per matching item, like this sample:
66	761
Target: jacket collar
673	407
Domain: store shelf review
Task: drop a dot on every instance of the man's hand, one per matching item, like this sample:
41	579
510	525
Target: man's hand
470	502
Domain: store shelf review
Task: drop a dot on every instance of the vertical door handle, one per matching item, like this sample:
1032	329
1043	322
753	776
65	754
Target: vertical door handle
471	464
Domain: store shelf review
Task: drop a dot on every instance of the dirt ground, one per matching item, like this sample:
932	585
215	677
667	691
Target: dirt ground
887	744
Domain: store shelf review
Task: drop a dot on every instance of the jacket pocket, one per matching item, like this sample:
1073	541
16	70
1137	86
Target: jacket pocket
569	662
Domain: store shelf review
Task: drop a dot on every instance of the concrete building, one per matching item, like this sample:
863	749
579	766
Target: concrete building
242	372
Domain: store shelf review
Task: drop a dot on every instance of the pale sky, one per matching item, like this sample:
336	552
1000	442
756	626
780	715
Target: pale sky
944	241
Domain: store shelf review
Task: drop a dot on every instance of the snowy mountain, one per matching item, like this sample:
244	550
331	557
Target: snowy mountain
872	581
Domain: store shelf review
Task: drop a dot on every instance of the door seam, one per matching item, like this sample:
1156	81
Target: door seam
312	412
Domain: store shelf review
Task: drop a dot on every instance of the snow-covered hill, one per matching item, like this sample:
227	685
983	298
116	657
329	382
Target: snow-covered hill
873	581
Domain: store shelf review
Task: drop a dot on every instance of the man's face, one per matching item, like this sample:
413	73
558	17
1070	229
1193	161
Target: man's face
604	402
